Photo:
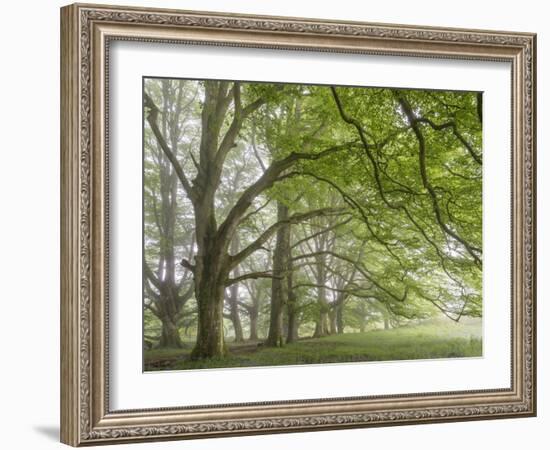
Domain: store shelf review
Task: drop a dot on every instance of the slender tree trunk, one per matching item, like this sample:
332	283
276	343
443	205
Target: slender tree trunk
292	325
234	297
234	313
340	318
253	312
332	318
362	318
321	326
279	286
292	313
293	321
253	325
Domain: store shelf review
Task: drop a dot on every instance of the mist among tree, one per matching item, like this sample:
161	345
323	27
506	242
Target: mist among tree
291	224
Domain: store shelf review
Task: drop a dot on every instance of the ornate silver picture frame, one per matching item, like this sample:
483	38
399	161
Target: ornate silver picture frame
87	34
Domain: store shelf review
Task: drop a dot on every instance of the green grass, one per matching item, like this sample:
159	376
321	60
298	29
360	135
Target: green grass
428	341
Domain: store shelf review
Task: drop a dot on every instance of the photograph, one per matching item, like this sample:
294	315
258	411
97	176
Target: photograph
289	224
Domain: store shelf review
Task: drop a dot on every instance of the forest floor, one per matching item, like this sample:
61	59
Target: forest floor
426	341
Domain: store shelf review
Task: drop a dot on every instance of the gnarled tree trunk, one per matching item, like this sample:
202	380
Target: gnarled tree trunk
211	271
210	294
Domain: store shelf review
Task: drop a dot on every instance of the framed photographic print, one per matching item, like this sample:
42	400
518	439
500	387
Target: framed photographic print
274	224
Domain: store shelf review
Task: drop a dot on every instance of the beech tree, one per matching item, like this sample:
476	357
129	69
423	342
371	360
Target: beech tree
167	288
289	209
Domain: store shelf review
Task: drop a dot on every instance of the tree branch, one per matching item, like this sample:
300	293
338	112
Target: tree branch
150	292
251	276
183	298
151	308
150	275
295	218
186	264
239	115
323	231
245	218
254	148
266	180
248	308
152	120
398	207
455	131
355	206
473	251
360	269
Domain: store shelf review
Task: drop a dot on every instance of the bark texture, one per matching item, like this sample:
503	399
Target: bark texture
279	288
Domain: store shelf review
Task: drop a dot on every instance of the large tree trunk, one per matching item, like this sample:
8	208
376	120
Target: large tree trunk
210	340
279	286
210	270
211	273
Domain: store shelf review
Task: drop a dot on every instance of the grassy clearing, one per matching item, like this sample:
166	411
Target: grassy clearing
428	341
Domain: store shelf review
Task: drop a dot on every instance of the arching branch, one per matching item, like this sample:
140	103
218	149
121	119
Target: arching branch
361	269
295	218
457	134
268	178
472	250
152	118
251	276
